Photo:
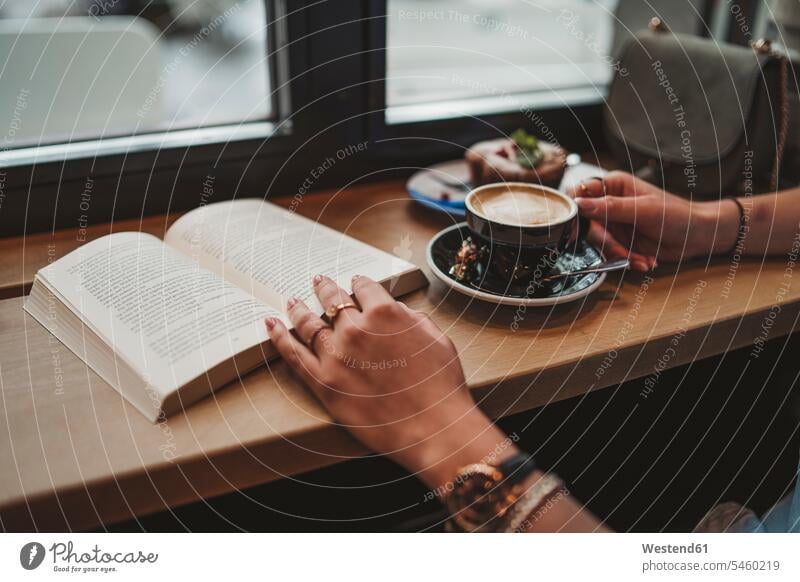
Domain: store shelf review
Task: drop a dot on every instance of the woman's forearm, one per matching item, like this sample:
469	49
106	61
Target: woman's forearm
771	223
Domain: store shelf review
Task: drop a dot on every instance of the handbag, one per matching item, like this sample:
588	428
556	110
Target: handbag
699	118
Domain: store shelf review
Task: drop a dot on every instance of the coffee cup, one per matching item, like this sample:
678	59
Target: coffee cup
526	227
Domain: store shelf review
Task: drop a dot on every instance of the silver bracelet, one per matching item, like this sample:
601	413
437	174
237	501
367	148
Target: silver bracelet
531	499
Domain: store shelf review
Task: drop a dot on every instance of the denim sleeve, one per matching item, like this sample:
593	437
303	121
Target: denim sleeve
783	518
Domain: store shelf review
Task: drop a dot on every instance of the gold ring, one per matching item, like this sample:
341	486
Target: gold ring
310	342
602	183
333	311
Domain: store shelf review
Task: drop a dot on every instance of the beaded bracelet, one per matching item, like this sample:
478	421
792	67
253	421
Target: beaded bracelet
743	228
531	500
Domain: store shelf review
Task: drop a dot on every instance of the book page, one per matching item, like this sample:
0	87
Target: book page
273	253
164	314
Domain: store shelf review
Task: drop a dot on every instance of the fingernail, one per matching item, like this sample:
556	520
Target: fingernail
291	302
586	204
317	279
356	277
641	266
271	321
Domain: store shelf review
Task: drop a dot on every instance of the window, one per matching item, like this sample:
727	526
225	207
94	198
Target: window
83	69
470	51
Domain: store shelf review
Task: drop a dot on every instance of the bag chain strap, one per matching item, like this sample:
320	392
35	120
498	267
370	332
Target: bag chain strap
764	46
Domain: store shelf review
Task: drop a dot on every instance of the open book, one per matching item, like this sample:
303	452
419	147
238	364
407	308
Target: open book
165	323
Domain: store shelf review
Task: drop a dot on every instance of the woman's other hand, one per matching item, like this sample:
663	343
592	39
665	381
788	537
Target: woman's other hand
634	219
391	377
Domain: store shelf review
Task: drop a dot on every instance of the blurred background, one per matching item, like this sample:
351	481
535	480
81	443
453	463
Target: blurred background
105	67
156	94
90	68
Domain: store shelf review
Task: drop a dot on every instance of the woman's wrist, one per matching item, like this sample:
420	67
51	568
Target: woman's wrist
472	438
715	227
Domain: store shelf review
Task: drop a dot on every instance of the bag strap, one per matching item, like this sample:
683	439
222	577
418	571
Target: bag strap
764	46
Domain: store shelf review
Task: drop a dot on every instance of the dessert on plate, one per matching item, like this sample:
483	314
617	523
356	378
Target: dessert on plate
520	158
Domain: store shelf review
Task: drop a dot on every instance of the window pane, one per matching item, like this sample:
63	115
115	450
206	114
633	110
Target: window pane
77	69
451	49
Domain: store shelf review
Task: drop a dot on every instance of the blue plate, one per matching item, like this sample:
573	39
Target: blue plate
442	187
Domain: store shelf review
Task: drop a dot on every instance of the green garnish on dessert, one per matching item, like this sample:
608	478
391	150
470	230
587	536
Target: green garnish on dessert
529	154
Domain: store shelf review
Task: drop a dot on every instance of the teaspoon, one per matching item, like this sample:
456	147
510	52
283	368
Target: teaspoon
605	267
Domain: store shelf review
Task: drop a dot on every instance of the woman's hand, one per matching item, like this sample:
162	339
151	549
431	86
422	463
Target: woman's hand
631	218
392	378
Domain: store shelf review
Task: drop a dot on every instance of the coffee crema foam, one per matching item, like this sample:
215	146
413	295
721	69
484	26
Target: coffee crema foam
521	207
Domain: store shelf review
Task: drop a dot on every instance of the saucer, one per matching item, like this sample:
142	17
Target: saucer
445	244
444	186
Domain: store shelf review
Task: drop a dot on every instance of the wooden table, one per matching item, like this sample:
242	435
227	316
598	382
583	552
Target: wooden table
73	454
